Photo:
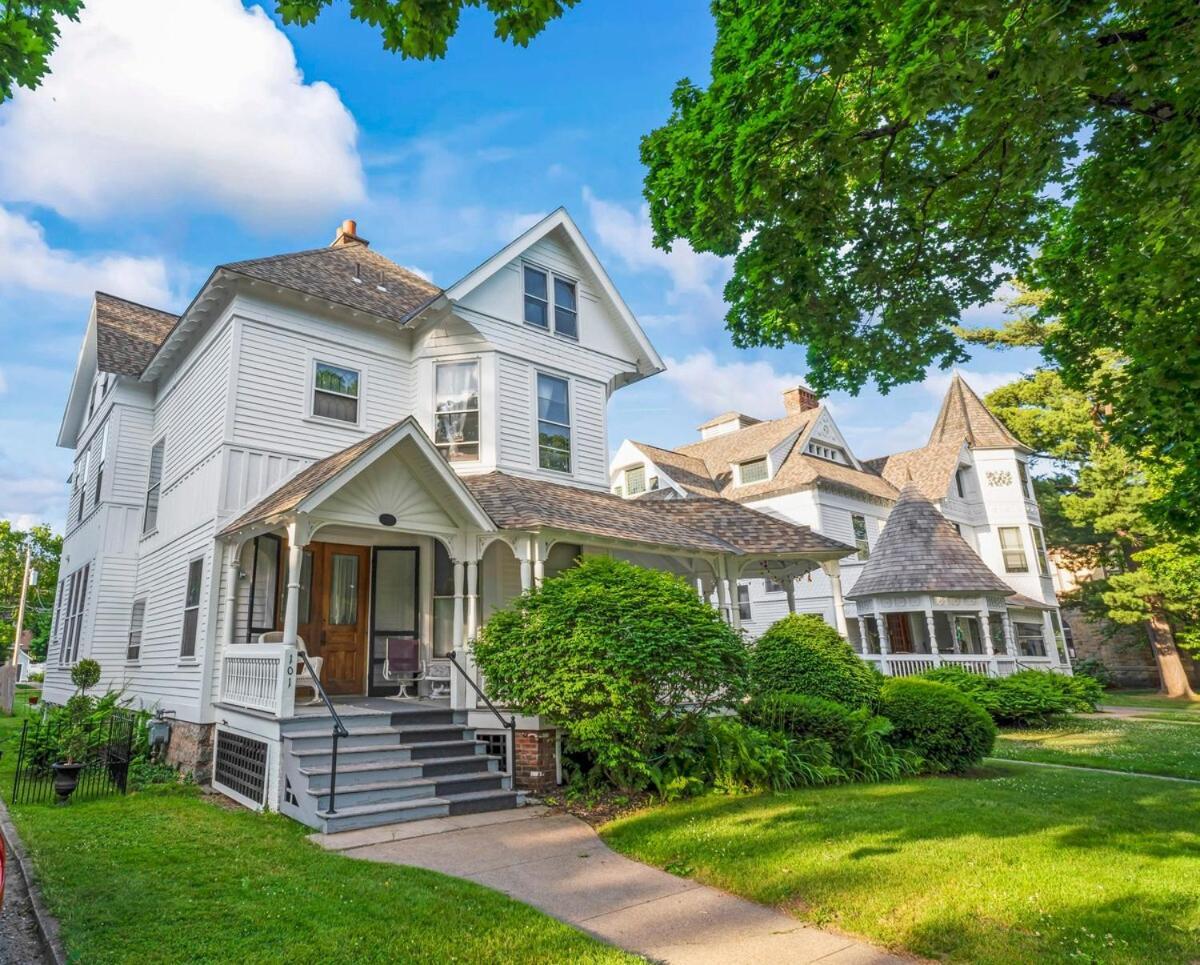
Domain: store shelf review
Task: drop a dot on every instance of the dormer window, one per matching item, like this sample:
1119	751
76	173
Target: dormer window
635	480
563	316
831	453
753	471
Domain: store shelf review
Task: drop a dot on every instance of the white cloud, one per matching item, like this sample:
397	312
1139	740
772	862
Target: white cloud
154	104
27	261
754	388
627	235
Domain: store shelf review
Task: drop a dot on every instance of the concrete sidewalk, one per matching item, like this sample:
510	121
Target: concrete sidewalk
556	862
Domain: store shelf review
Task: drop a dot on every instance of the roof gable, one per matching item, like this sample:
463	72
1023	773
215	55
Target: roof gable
931	468
964	416
920	552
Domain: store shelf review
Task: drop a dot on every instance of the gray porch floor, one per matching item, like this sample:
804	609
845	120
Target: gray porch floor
351	706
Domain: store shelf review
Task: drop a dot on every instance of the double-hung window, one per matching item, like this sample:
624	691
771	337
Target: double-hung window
553	423
1026	486
457	410
84	469
133	649
960	484
561	316
1039	550
153	488
335	393
100	464
743	601
635	480
265	554
191	609
1013	550
74	600
858	523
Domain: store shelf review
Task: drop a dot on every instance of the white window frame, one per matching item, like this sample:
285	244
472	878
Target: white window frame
1018	548
551	300
75	587
539	374
1025	478
137	620
1039	550
314	362
444	446
630	477
100	463
187	649
154	487
863	543
745	610
960	482
766	464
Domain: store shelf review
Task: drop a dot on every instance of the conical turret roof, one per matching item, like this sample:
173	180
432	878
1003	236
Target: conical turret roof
920	552
964	416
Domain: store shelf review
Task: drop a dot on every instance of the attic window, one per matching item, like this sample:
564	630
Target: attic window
753	471
635	480
538	310
832	453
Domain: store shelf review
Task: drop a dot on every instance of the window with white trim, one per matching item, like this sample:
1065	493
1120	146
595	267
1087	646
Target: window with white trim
456	410
772	585
1012	548
561	316
153	488
191	608
74	589
1039	547
1026	485
1031	642
829	453
100	463
960	482
635	480
335	392
858	523
84	469
752	471
137	617
553	423
743	599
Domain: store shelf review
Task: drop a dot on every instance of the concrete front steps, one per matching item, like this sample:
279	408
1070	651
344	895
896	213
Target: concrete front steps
412	762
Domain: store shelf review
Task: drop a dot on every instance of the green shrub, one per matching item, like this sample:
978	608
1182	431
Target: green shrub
947	729
37	677
627	661
1025	698
85	675
1083	693
732	757
857	738
802	654
1095	669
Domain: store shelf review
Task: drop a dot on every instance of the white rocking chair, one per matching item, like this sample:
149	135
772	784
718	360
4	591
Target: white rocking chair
303	677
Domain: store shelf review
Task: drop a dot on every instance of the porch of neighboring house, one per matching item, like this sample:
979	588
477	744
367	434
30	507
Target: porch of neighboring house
346	693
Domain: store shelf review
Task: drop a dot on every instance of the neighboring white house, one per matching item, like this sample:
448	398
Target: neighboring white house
326	451
977	591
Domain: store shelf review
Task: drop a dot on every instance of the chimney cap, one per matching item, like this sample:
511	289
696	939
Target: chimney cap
347	234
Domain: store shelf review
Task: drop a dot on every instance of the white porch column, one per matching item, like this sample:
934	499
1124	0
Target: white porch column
1051	640
735	604
299	534
885	647
472	599
1010	637
232	569
833	570
723	598
789	590
985	628
458	607
864	641
931	624
526	576
539	572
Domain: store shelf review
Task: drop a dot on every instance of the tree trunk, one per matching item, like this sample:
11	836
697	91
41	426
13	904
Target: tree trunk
1173	681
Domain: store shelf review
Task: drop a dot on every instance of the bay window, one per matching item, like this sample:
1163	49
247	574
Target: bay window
456	410
553	423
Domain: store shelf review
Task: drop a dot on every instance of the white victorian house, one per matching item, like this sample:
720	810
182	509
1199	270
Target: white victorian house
324	475
950	563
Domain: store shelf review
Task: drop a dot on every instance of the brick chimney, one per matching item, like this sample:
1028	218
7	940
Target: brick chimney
347	234
800	399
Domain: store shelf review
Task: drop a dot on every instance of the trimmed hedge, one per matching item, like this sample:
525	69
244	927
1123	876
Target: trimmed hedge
1027	697
801	715
950	731
802	654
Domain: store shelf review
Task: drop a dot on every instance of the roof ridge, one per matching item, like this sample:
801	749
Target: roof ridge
130	301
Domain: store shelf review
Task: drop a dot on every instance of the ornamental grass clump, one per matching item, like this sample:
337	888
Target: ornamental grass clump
802	654
627	661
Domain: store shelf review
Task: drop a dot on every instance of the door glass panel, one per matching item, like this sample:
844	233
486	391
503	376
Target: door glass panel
396	591
306	567
343	590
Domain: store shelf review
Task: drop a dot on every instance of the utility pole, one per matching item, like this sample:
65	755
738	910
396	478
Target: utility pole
21	606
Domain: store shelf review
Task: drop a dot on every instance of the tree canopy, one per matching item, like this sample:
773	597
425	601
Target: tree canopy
875	169
28	34
39	607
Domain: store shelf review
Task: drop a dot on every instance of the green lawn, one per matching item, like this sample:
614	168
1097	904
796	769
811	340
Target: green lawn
167	876
1013	865
1151	747
1150	700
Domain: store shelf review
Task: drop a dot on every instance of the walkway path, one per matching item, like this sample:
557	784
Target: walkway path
557	863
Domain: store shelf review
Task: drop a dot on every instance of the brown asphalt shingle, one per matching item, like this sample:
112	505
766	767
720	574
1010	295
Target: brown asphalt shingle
382	288
964	416
128	334
688	471
931	467
920	552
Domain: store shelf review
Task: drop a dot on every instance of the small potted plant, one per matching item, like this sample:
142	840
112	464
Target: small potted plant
74	734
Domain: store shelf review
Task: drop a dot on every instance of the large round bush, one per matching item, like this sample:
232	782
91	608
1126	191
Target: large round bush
623	659
801	715
949	730
802	654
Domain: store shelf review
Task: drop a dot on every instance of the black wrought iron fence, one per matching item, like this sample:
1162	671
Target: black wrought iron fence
105	768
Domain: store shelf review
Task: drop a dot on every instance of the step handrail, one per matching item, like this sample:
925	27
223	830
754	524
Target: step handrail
510	725
339	729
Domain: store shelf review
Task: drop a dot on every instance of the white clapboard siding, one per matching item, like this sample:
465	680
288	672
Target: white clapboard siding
191	405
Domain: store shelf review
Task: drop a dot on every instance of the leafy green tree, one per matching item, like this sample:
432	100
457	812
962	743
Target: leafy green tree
874	169
28	34
39	606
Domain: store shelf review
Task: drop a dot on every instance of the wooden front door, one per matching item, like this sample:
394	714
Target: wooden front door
898	633
335	626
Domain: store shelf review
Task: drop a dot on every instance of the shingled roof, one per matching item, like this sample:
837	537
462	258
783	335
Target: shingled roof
931	467
688	471
920	552
964	416
128	334
346	274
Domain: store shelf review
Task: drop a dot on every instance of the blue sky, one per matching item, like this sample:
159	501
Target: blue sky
174	135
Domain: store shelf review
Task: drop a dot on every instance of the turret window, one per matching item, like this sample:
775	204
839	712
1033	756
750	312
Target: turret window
1012	547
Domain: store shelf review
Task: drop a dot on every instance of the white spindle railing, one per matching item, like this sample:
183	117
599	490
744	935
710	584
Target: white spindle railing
260	676
909	664
975	663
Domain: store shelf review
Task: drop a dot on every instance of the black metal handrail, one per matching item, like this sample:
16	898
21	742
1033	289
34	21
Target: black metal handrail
510	725
339	729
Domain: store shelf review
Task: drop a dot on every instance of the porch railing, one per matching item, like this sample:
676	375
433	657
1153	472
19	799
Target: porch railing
911	664
339	731
261	677
510	725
